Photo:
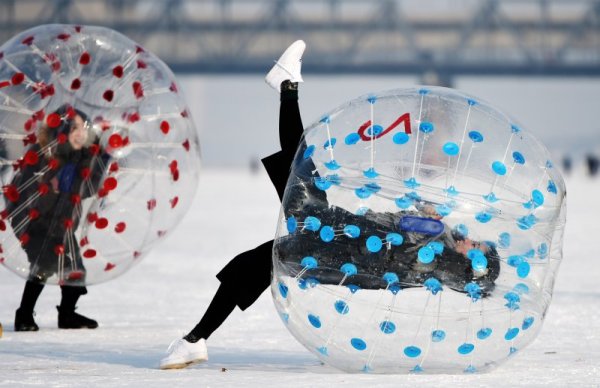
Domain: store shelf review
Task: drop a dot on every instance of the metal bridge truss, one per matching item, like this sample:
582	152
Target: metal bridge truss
445	37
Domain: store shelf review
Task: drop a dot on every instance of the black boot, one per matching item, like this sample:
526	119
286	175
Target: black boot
69	319
24	315
24	321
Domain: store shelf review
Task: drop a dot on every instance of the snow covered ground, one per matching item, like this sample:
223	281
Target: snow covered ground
141	312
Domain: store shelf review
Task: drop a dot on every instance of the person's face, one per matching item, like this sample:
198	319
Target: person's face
464	246
79	134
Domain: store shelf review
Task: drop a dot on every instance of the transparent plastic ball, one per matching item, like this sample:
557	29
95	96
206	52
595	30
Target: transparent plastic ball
421	231
99	155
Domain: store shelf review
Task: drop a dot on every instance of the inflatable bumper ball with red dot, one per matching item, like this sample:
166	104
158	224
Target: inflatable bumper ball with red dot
99	155
421	231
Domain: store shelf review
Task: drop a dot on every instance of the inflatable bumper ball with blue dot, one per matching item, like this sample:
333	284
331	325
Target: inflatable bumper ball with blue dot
433	225
99	155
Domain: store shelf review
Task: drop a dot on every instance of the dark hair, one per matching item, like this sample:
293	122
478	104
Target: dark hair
66	123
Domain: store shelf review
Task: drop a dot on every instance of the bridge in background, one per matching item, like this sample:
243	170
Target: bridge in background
441	38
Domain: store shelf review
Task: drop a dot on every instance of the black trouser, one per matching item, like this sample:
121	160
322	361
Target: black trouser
44	264
32	291
248	275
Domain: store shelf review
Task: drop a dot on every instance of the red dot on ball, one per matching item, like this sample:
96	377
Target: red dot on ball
53	120
101	223
89	253
110	183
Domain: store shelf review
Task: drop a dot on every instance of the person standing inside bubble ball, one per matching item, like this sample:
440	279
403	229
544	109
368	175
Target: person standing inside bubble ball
248	275
61	169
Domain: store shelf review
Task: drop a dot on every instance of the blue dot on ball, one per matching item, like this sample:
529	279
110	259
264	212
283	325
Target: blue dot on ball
322	183
358	344
476	136
312	223
314	321
527	322
411	183
370	173
403	202
291	224
451	149
552	187
462	230
438	247
511	333
426	127
352	138
283	289
361	211
394	239
484	333
504	240
438	335
514	260
372	187
352	231
309	262
332	165
309	151
363	193
327	234
433	285
499	168
374	244
401	138
374	130
465	348
390	278
426	255
473	253
521	288
523	269
443	210
387	327
341	307
349	269
412	351
479	263
483	217
518	157
330	143
537	197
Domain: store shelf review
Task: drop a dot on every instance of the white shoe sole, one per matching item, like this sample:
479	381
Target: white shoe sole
183	364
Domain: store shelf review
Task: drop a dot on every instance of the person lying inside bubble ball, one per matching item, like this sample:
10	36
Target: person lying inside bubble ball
360	250
64	166
249	274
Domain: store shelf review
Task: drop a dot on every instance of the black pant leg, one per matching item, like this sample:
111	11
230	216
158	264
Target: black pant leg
219	309
290	123
31	293
248	275
70	296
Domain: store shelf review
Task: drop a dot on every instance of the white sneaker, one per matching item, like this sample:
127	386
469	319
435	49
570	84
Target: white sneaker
181	354
287	67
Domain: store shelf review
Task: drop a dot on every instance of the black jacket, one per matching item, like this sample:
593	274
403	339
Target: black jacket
44	205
